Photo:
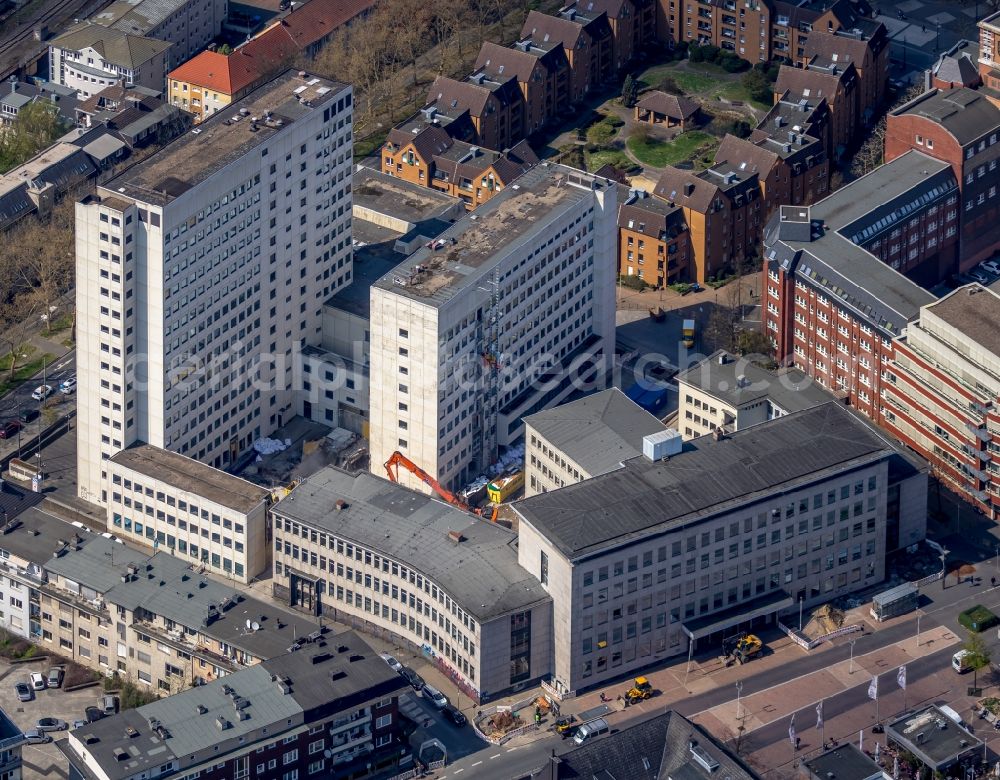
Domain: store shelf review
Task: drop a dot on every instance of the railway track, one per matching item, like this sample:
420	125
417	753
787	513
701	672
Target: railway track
12	56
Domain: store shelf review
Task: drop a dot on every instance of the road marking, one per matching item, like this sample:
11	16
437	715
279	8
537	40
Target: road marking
511	750
459	771
495	756
477	763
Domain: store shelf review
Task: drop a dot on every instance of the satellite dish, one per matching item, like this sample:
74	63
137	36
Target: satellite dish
255	626
248	622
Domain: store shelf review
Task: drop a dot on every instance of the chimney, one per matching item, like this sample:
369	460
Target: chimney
688	189
717	434
455	537
778	121
13	85
341	504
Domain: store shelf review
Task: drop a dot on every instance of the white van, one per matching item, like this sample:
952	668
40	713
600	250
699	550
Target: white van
959	663
953	715
590	730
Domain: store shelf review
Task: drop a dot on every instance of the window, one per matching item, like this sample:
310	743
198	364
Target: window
544	569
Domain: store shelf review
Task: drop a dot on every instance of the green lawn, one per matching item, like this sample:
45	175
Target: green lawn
658	154
736	91
601	133
615	157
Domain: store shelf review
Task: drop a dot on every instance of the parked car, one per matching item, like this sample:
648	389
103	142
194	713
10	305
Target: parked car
415	680
27	415
392	662
42	392
991	266
38	681
93	714
979	276
437	698
109	704
36	737
24	692
455	715
68	386
79	724
51	724
10	429
56	677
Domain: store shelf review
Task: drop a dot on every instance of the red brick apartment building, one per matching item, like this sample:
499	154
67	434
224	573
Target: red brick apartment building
829	81
652	238
960	127
542	75
838	276
942	392
587	41
431	158
989	56
633	25
763	30
495	108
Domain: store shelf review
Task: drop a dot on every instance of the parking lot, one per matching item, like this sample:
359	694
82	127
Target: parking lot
42	760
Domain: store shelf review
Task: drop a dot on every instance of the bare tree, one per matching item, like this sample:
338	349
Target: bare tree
47	259
871	153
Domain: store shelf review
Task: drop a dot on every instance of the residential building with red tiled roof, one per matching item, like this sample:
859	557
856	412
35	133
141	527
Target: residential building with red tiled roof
542	75
831	80
496	108
211	81
633	24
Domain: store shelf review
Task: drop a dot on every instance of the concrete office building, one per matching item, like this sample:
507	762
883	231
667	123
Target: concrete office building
506	313
163	500
391	218
329	709
732	393
582	439
650	560
194	289
397	563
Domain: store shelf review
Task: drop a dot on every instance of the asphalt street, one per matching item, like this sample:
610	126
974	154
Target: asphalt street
507	763
20	398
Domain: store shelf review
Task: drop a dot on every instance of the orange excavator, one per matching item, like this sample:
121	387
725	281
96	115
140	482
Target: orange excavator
399	459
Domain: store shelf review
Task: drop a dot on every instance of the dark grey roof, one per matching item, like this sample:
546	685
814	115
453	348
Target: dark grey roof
480	573
707	478
597	432
168	587
381	193
309	672
963	112
309	679
188	474
974	311
834	262
789	389
844	762
940	742
10	734
37	536
15	500
121	48
14	202
667	746
99	563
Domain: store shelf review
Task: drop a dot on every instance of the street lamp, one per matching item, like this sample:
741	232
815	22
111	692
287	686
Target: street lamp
739	689
852	655
944	555
800	614
920	614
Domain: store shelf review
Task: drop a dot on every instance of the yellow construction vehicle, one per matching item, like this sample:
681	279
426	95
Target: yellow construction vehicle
742	649
641	689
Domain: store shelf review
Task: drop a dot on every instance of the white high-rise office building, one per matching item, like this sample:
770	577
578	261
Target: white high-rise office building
506	313
202	269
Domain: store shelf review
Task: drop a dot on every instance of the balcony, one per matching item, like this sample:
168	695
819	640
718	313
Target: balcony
351	743
357	719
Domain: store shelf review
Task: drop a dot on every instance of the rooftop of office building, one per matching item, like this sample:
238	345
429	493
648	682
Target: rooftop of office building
974	311
468	250
224	138
965	113
188	474
710	476
472	560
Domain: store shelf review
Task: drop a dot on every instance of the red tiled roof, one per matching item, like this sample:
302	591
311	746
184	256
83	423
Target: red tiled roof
270	50
317	19
218	72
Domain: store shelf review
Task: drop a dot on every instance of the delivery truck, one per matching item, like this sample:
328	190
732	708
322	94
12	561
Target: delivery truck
687	333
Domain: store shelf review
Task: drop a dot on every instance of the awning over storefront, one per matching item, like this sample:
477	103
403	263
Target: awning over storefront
775	601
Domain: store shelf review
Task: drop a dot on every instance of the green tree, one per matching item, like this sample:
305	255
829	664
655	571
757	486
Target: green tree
37	126
979	654
757	86
225	49
630	91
